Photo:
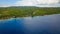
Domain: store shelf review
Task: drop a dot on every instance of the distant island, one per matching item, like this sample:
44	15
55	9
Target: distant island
26	11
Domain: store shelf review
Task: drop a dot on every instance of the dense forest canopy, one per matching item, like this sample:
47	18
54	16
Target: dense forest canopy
25	11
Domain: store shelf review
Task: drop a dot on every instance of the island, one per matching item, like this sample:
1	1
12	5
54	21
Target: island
27	11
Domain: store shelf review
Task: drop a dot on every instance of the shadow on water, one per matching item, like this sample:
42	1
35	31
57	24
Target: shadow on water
28	25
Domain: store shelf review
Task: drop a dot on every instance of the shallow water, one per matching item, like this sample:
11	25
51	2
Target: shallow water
31	25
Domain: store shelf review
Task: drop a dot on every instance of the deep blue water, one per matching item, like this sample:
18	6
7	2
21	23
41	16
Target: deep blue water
28	25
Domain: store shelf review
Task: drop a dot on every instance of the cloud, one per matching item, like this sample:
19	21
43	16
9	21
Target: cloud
5	5
36	2
47	1
40	3
24	3
55	5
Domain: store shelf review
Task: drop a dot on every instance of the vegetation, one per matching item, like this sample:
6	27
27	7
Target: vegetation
8	12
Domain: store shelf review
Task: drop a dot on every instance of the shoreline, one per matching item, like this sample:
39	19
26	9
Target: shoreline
25	17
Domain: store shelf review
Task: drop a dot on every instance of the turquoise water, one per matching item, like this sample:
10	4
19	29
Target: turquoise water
31	25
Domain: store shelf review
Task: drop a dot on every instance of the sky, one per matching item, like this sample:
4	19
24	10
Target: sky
38	3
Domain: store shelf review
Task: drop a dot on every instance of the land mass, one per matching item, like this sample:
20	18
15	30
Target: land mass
27	11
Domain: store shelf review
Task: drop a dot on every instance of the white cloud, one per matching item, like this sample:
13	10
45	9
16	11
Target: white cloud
58	5
24	3
35	2
41	3
5	5
47	1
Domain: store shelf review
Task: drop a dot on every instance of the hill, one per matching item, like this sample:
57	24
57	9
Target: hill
26	11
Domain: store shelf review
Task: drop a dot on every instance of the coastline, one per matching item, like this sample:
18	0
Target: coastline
26	17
